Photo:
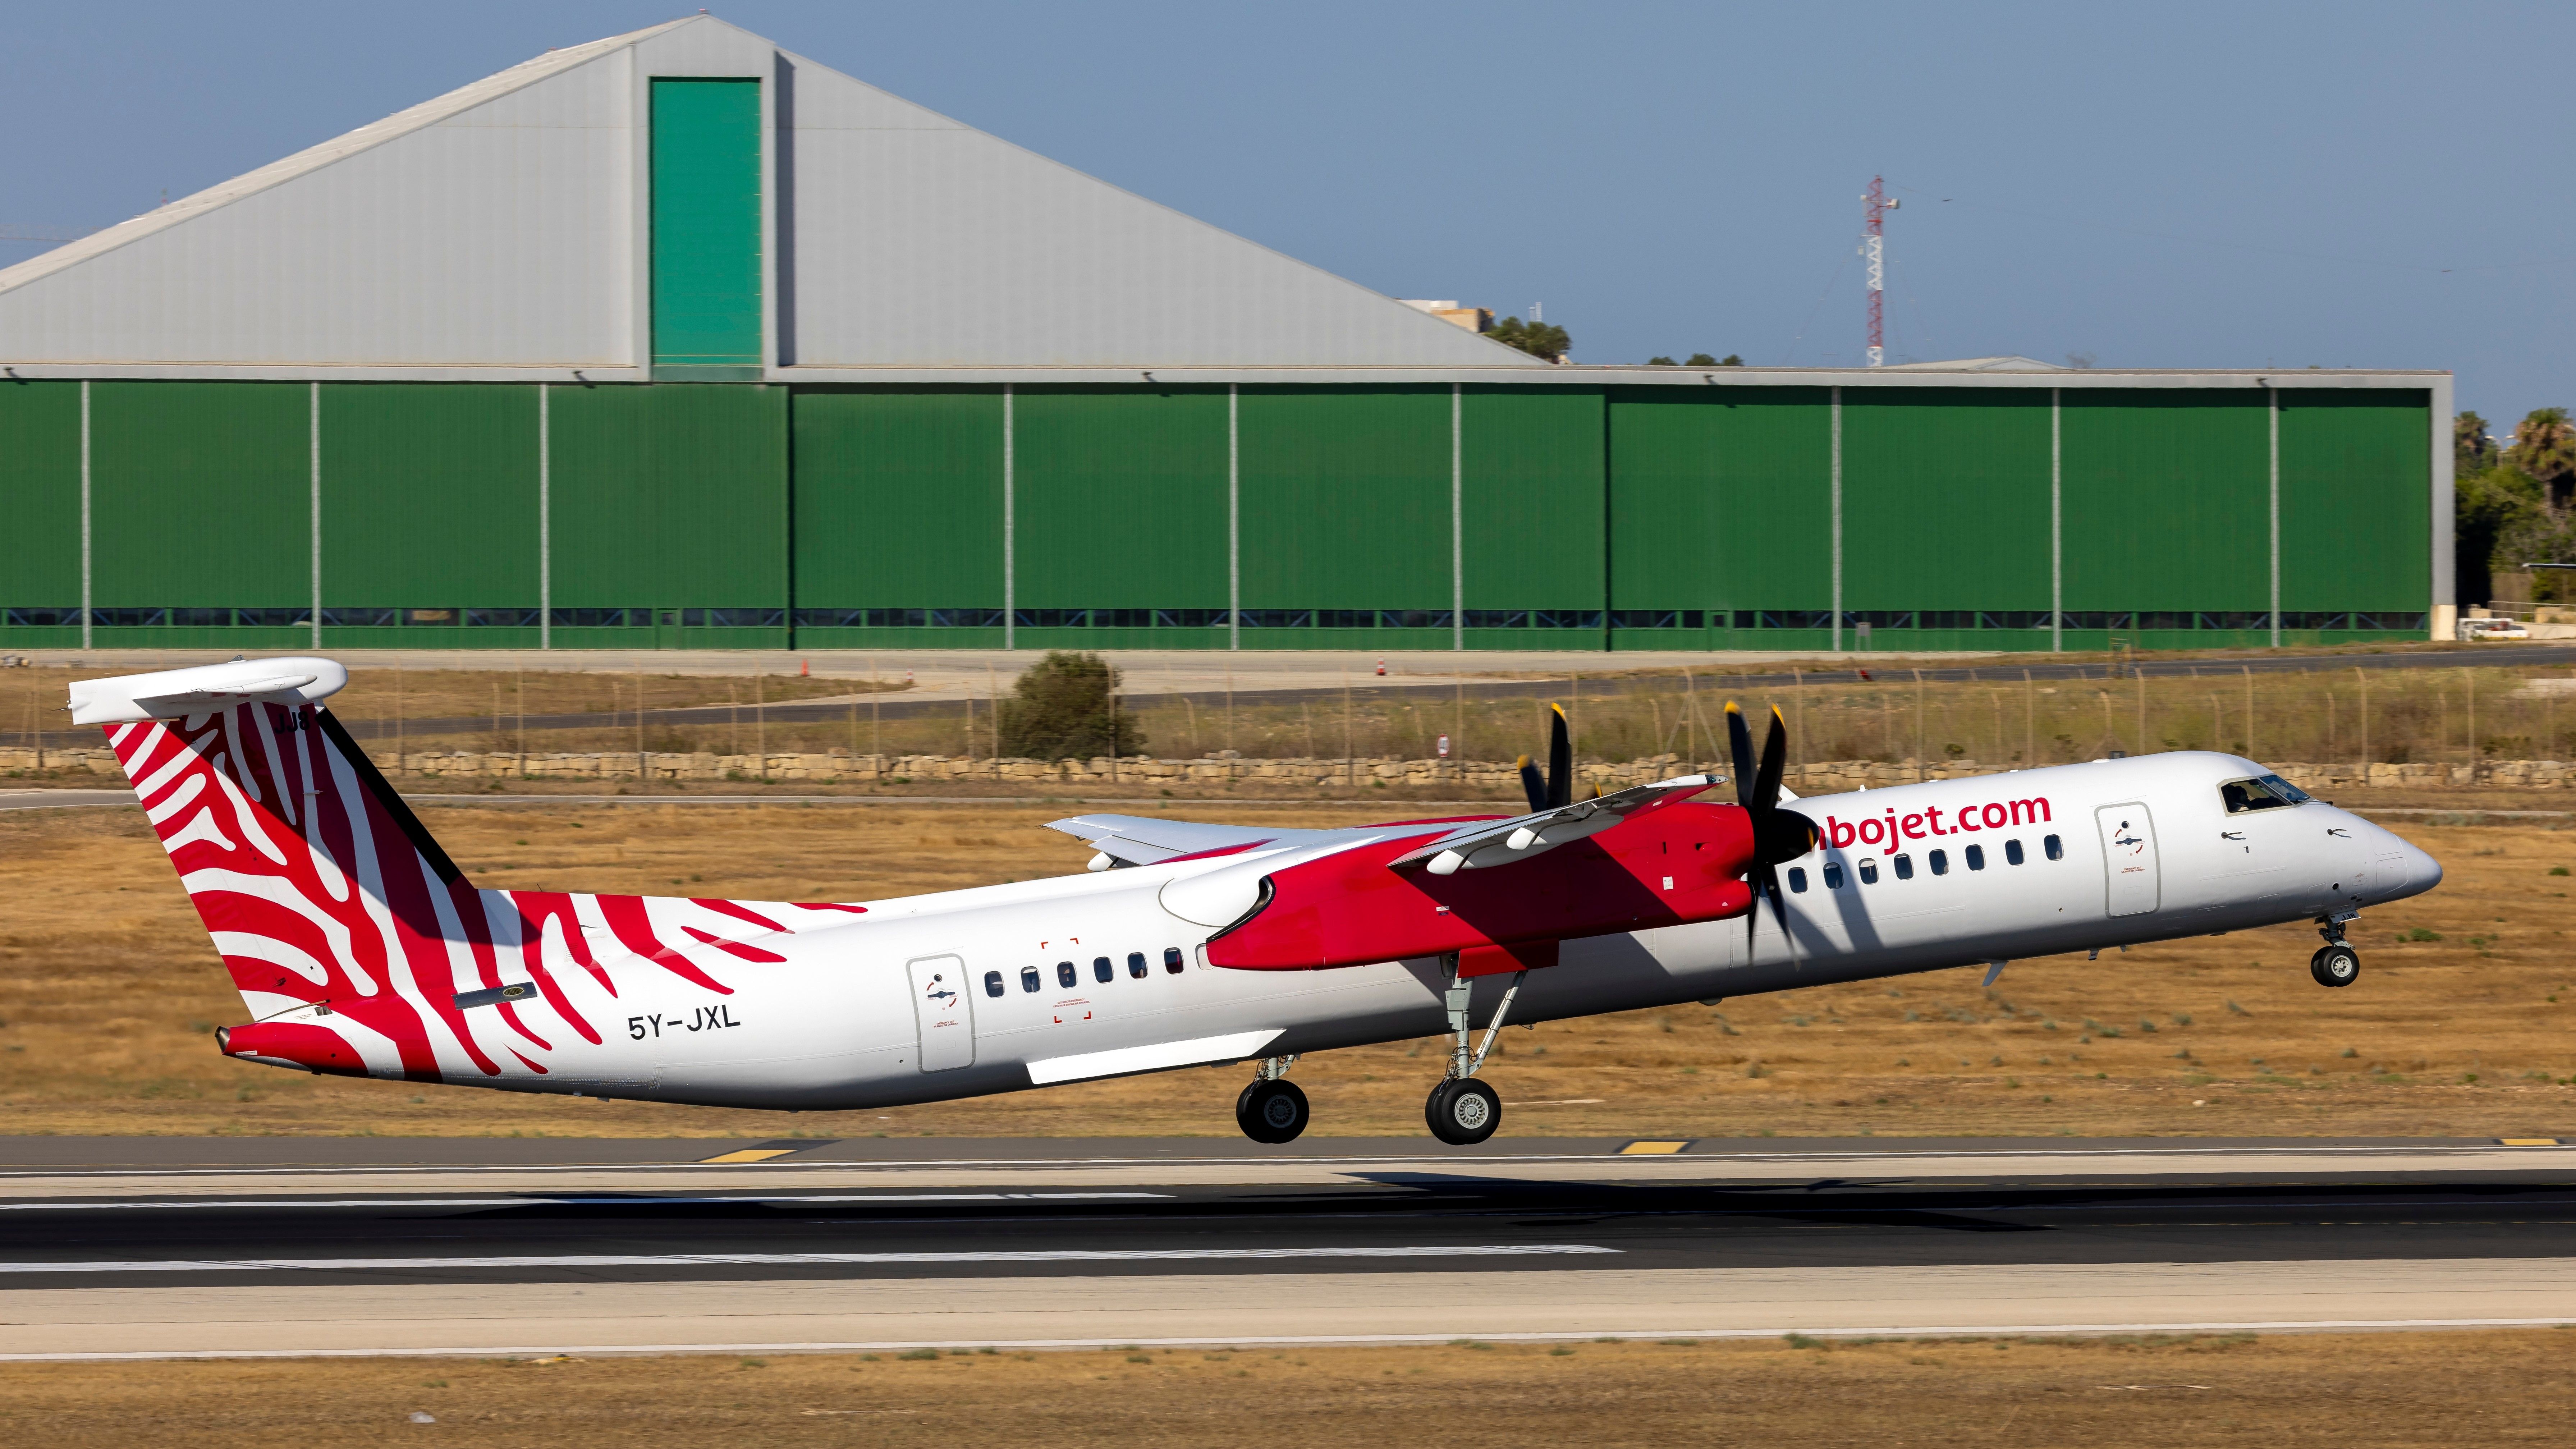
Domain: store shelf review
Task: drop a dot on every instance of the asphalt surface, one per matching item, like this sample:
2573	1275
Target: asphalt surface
118	1248
375	1216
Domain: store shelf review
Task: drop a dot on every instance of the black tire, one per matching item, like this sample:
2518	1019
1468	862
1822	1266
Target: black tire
2335	965
1271	1112
1463	1113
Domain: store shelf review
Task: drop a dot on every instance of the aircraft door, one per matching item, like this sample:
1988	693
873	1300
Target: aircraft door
944	1012
2128	858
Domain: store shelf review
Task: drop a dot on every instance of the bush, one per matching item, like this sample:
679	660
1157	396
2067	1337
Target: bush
1065	707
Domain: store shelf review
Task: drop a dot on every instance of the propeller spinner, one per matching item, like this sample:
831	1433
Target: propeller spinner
1778	835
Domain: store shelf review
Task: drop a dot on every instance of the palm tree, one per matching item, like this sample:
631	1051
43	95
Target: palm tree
2545	448
2472	451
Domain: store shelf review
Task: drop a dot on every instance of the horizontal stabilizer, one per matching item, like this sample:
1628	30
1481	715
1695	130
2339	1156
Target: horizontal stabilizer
204	689
1144	840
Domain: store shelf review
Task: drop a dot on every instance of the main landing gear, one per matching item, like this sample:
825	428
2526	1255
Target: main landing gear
1272	1109
1463	1111
2336	963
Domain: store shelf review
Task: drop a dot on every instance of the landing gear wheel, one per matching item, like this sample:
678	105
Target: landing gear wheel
1463	1112
2335	965
1271	1111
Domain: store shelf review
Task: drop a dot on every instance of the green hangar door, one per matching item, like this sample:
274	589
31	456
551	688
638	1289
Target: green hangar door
706	230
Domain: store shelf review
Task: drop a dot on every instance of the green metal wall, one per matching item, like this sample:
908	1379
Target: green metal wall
40	569
1945	506
2355	474
1345	506
727	515
1721	501
1534	496
898	506
1120	504
706	228
2168	509
429	503
201	496
670	497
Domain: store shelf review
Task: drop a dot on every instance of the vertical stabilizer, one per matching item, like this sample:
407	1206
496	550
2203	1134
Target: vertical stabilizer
356	943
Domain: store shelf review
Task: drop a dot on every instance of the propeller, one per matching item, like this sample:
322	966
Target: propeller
1778	835
1554	790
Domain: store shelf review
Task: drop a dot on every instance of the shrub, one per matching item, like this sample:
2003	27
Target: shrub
1065	707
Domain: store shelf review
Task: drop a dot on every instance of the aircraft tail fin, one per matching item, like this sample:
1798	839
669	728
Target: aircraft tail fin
309	870
357	944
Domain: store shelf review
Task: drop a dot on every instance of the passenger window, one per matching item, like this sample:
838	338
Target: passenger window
1868	871
1102	969
1028	978
2055	847
1833	875
2012	851
1136	964
1172	959
1064	974
1976	857
1940	860
992	983
1797	880
1904	866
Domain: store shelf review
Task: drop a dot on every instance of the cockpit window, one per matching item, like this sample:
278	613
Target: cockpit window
2267	792
2286	790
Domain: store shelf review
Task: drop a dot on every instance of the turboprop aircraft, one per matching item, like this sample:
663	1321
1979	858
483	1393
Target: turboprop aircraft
361	949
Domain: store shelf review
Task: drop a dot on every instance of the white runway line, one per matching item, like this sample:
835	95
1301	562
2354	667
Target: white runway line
1072	1174
584	1200
789	1260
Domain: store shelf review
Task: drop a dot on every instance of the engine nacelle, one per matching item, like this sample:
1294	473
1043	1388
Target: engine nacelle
1668	866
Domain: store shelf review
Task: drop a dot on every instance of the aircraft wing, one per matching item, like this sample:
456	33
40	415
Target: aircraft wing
1488	843
1146	840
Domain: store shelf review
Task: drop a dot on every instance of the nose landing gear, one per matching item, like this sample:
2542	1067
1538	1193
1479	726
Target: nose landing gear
1272	1110
2335	963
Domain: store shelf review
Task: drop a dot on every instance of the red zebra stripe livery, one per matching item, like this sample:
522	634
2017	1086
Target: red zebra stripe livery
351	936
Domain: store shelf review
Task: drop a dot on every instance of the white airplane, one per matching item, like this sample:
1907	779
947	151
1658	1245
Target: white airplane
360	949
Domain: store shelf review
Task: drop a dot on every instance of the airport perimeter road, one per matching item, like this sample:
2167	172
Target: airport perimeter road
945	679
169	1246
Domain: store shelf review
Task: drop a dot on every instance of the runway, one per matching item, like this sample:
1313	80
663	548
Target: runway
186	1247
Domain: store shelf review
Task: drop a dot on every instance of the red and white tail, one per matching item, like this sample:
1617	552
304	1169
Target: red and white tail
356	943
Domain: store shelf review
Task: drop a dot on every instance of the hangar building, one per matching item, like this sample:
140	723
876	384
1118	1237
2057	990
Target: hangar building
681	339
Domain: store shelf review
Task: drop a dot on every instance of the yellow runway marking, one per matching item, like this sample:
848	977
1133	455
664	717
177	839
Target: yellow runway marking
2528	1141
1651	1149
750	1154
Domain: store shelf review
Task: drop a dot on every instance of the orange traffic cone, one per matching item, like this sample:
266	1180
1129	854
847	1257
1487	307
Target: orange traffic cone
804	669
1381	668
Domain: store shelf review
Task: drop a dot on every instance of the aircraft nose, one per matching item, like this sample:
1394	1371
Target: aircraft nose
2415	871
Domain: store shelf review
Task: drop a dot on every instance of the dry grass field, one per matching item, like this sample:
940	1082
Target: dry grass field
110	991
2272	1392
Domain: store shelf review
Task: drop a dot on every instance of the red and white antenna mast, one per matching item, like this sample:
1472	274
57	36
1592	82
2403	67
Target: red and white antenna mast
1875	206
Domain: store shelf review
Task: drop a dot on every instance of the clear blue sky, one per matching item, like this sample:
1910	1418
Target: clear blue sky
2191	185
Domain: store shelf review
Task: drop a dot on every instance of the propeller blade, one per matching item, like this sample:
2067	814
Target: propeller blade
1532	786
1560	760
1775	759
1766	885
1739	745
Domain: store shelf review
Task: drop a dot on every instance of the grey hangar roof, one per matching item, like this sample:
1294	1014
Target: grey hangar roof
501	232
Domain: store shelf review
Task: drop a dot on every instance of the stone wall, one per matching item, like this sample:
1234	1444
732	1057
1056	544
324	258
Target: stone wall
1468	776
